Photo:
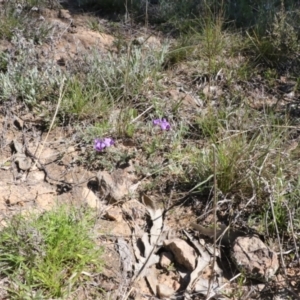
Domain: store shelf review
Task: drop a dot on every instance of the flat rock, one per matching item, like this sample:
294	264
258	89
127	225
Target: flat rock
113	186
17	194
90	198
183	253
163	291
116	229
114	214
116	186
254	259
166	258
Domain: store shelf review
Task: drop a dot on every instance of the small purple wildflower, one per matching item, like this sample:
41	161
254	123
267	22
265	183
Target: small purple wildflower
108	142
157	122
101	144
163	123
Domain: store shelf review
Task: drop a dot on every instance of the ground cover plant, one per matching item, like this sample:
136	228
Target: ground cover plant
199	99
44	255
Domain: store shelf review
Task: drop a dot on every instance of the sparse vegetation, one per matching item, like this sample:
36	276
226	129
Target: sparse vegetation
225	76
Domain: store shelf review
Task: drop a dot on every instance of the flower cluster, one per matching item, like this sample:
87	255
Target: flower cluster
163	123
101	144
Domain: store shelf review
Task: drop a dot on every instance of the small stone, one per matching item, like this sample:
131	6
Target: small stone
166	259
114	214
64	14
115	186
260	287
71	149
90	198
163	291
24	162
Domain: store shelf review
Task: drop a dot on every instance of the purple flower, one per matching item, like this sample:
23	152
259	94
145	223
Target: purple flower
157	122
108	142
163	123
101	144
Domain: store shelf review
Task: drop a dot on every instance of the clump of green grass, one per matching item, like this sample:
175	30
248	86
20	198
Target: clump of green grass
83	99
242	151
93	24
278	45
206	45
45	255
203	39
254	169
181	51
110	81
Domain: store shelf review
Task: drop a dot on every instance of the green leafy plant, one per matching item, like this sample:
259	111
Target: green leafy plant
238	157
125	122
47	254
83	98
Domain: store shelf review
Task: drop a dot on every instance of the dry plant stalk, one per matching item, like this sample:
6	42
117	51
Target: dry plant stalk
61	90
214	220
